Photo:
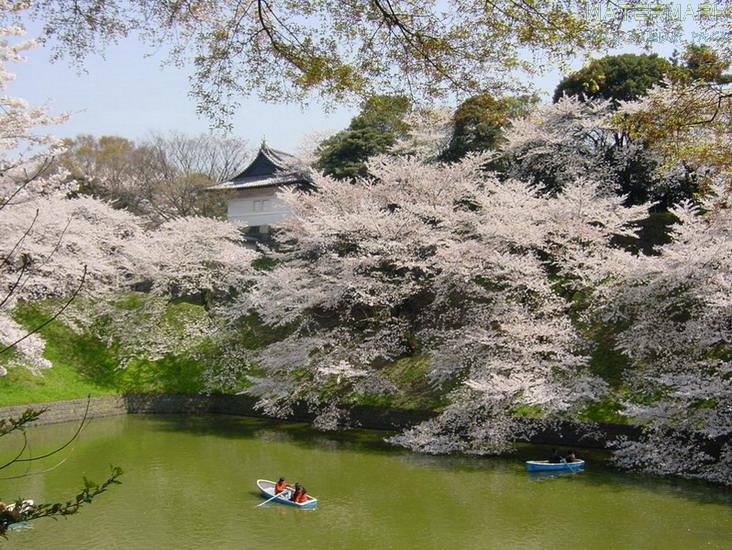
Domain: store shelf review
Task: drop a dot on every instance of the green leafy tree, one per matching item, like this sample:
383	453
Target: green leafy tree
373	131
688	123
479	122
616	77
109	167
629	76
297	49
701	62
164	177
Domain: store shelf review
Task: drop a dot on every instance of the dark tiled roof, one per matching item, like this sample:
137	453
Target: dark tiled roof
270	167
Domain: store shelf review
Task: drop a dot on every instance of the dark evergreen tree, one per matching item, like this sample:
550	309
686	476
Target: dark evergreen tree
373	131
617	77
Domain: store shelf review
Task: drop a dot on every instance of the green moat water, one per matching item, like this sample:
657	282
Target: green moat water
189	483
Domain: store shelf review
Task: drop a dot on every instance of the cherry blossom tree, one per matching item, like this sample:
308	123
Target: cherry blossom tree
497	281
575	138
674	317
445	259
142	326
31	248
670	311
429	132
24	178
192	255
184	258
58	247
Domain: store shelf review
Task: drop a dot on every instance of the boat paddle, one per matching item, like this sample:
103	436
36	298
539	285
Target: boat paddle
272	498
571	470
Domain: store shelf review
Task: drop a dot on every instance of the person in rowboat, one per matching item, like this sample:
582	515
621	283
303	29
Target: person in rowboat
555	457
9	516
296	494
571	457
303	497
280	486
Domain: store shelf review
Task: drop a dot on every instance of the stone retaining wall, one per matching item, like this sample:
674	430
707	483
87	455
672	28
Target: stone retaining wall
379	418
73	409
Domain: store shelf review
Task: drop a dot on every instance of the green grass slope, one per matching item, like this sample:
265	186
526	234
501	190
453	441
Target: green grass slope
82	365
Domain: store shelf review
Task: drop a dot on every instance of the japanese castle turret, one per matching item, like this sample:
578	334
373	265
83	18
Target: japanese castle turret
252	198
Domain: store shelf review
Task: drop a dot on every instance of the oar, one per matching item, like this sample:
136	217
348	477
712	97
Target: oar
269	499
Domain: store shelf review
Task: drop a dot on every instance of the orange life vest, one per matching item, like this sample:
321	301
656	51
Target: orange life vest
302	497
296	496
279	487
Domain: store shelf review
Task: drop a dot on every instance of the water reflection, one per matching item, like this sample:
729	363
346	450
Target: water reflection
543	476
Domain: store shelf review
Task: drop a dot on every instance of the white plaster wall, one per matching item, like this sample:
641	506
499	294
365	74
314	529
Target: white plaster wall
256	207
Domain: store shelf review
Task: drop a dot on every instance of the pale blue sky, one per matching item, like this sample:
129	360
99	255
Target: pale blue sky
130	94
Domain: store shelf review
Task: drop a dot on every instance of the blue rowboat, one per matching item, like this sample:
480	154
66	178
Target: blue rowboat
266	488
546	466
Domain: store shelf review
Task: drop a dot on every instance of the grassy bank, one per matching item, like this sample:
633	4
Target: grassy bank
83	364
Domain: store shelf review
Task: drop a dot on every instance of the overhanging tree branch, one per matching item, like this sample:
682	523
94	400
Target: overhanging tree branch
52	318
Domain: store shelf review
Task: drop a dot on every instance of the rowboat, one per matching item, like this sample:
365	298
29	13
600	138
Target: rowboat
266	489
26	507
546	466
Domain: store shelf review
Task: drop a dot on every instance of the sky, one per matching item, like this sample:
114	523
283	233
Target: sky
129	92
